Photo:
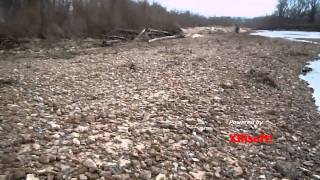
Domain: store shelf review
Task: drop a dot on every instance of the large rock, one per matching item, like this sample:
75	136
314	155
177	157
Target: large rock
237	171
89	163
286	169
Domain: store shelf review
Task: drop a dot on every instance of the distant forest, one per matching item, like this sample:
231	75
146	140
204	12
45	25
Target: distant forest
94	18
291	14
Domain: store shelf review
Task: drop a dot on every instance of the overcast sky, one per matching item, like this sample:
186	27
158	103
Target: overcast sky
236	8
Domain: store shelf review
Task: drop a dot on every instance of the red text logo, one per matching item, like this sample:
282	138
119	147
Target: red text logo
246	138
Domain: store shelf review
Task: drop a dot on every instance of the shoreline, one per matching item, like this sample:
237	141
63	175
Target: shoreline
311	84
161	109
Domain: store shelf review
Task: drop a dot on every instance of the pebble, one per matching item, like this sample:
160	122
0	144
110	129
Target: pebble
75	135
36	146
76	141
262	177
237	171
308	163
13	107
145	174
316	176
58	112
89	163
77	117
217	172
64	167
44	159
82	129
294	138
55	136
31	177
124	162
161	177
199	175
230	161
54	126
90	118
83	177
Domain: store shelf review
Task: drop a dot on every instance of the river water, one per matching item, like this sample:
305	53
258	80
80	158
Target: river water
313	77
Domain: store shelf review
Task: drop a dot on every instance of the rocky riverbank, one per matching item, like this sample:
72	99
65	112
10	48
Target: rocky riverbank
159	111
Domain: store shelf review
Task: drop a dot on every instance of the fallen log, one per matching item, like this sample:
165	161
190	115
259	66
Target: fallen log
109	43
141	34
130	31
160	32
9	43
117	38
166	38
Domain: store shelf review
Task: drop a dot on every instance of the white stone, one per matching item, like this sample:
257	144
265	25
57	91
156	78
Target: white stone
82	129
54	125
83	177
59	113
56	136
31	177
36	146
262	177
124	162
76	141
75	135
161	177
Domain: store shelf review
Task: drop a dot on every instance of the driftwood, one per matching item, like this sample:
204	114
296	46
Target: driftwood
160	31
166	38
109	42
117	37
141	34
147	34
153	33
9	43
130	31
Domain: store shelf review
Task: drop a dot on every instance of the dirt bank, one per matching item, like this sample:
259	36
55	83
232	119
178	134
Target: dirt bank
159	110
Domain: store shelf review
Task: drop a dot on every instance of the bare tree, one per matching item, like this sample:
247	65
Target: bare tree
314	5
297	9
282	8
43	19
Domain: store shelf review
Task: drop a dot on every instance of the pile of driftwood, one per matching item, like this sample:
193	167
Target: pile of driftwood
8	43
147	34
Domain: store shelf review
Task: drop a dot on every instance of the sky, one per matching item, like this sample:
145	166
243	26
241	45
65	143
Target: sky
234	8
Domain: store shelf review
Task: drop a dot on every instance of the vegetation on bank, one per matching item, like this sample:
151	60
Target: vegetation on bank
291	14
96	18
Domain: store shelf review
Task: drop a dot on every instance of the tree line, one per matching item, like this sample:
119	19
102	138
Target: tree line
95	18
291	14
298	10
84	18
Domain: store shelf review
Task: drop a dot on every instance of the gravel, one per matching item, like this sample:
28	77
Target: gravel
93	117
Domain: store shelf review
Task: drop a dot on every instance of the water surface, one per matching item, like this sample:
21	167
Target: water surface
313	77
301	36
